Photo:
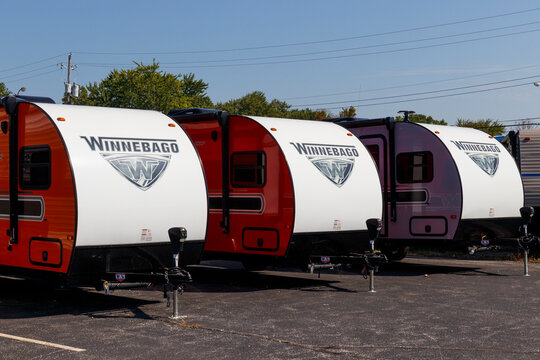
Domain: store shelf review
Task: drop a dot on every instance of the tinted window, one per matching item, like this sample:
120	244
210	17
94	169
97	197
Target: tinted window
414	167
374	151
248	169
35	167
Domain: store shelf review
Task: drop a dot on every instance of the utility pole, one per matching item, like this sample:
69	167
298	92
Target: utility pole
69	78
72	89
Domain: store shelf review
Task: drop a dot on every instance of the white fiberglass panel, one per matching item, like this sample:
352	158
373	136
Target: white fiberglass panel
135	176
490	179
335	181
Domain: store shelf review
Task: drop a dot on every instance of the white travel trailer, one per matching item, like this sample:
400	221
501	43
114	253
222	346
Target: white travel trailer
282	190
440	183
93	191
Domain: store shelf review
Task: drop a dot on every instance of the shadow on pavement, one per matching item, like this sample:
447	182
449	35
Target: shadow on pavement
221	279
413	269
31	298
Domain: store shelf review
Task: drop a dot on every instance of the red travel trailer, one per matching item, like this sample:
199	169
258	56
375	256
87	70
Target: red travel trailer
91	192
282	190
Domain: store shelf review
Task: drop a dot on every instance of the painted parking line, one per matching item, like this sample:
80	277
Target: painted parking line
45	343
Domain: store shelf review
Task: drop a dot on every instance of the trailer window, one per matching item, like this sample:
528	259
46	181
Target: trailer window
374	151
35	167
415	167
248	169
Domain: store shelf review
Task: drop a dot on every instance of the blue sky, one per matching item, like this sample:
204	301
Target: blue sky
380	56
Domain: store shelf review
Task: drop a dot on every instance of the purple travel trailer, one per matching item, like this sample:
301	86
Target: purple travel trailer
440	184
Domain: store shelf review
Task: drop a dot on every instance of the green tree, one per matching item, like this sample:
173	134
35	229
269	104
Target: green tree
490	126
322	114
145	87
348	112
306	114
421	118
195	90
256	104
4	90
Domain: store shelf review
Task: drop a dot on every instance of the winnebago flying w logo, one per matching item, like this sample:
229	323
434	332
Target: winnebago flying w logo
336	162
484	155
141	161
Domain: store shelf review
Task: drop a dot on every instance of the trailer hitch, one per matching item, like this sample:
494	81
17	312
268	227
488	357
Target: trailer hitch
370	261
373	260
173	278
526	240
174	275
484	245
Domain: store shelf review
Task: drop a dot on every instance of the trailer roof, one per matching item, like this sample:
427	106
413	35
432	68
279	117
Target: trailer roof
353	122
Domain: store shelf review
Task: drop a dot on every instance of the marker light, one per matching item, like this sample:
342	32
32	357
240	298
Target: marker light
527	138
453	217
60	119
273	129
172	125
491	137
436	132
349	134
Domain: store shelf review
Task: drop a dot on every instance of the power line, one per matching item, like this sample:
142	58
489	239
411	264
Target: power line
312	42
315	59
329	57
350	49
34	76
412	84
420	93
28	72
33	63
436	97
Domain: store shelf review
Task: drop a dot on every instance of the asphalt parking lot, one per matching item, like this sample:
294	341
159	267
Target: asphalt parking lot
423	308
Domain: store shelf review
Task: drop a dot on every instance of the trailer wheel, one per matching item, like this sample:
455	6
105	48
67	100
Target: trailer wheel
394	252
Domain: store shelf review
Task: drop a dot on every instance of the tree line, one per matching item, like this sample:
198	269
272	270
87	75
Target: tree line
148	87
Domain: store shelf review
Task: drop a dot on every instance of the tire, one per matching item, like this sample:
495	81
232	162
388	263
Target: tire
394	252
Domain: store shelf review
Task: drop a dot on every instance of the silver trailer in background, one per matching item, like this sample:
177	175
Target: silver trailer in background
524	145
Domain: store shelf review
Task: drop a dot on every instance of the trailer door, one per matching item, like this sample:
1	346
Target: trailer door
377	145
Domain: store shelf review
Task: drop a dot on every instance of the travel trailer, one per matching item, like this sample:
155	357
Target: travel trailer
283	191
524	145
440	183
87	192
